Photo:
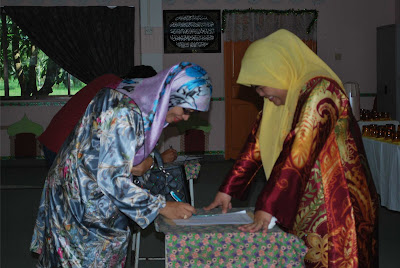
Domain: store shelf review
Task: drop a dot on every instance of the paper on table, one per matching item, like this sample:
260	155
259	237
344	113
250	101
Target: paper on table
183	158
239	217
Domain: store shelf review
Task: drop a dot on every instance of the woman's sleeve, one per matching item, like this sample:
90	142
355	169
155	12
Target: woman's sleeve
292	170
120	133
240	177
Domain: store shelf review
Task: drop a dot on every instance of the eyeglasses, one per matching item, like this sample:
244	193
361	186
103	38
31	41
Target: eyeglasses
188	111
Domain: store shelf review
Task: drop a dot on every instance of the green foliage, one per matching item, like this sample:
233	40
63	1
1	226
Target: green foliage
15	89
24	50
58	90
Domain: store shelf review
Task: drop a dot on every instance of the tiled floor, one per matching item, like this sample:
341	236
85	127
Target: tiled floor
19	207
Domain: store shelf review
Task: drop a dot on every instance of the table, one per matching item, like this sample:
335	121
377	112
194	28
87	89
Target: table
384	162
379	123
226	246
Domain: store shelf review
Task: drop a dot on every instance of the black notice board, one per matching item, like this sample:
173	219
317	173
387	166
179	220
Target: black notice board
192	31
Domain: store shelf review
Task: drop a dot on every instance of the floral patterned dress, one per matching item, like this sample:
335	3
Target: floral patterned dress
320	187
88	198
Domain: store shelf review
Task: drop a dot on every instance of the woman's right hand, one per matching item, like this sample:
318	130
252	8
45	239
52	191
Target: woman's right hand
221	200
177	210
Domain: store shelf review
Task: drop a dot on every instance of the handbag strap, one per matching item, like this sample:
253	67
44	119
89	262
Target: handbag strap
158	159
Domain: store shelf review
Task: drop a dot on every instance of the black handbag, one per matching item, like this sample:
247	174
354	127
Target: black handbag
169	181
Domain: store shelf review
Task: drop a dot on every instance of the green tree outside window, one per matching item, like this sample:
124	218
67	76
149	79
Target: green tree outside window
30	72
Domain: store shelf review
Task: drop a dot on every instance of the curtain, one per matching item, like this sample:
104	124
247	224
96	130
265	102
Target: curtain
249	24
85	41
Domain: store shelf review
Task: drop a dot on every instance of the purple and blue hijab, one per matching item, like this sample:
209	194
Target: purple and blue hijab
186	85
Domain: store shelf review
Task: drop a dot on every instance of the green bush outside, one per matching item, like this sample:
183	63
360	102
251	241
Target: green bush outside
58	90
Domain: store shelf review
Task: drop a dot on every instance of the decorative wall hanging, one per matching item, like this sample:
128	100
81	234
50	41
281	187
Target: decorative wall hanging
23	138
192	31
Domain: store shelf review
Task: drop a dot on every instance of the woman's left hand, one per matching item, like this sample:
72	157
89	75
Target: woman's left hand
261	221
140	169
169	155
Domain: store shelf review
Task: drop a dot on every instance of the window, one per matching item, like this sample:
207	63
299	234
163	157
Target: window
30	72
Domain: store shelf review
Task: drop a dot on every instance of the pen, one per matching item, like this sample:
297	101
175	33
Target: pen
177	199
174	196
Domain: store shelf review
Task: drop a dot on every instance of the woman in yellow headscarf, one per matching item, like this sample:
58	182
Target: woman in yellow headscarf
319	184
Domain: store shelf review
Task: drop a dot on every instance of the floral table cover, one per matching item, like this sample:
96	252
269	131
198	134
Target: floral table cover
226	246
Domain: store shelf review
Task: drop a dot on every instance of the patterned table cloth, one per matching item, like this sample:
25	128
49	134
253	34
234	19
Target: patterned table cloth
226	246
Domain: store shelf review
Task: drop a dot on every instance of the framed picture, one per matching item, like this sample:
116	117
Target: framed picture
192	31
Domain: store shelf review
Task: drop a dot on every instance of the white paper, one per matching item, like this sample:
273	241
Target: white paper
183	158
239	217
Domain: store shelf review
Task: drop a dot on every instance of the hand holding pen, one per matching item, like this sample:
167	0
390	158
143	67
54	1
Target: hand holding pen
177	199
177	210
169	155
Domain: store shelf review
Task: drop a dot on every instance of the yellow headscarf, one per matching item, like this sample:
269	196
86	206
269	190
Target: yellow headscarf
280	60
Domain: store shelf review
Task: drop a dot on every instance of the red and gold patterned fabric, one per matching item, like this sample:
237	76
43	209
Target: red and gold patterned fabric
320	187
